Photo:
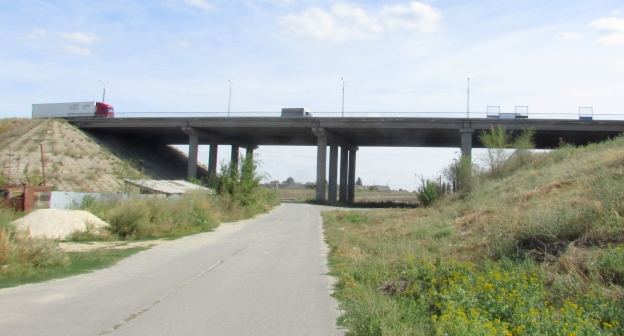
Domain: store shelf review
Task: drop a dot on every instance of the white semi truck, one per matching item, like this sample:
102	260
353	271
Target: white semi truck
298	112
73	110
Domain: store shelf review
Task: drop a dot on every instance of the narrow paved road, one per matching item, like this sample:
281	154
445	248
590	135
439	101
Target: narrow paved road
264	276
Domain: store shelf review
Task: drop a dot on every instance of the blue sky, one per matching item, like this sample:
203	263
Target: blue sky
177	56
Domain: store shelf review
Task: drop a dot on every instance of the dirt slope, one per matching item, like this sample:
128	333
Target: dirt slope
76	161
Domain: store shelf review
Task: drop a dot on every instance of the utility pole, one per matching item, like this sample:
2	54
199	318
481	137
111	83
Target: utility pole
230	100
42	164
9	166
468	101
343	85
104	93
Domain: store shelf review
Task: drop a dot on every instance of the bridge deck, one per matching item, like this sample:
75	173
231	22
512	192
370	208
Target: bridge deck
385	132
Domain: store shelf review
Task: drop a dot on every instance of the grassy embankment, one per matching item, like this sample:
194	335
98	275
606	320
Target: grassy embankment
24	260
537	250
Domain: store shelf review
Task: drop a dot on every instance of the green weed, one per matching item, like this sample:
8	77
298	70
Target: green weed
79	262
536	249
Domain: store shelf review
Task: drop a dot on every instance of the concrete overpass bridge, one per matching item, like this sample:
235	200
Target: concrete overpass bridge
344	135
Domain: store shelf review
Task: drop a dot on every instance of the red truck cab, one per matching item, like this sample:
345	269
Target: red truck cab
104	111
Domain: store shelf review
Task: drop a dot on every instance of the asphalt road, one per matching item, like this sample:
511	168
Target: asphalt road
264	276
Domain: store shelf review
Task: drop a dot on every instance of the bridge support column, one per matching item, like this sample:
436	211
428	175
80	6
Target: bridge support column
344	171
249	152
234	156
351	183
212	159
466	142
333	173
321	161
192	157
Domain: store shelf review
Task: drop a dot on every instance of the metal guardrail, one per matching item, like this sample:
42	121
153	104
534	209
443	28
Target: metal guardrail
366	114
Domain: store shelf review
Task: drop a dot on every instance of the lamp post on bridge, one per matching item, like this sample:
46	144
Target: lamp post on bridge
230	100
343	85
104	93
468	101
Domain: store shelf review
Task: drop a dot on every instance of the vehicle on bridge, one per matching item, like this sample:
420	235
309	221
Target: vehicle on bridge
73	110
298	112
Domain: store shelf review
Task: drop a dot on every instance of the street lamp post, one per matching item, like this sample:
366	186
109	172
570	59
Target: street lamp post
104	93
343	85
230	100
468	101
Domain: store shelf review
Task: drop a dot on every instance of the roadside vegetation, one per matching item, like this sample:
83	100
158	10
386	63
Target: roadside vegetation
24	259
532	244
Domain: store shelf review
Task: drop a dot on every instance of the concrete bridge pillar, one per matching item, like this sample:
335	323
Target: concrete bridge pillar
212	159
321	161
466	142
351	183
234	156
249	152
192	157
333	172
344	171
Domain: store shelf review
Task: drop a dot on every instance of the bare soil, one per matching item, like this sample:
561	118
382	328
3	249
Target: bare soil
114	245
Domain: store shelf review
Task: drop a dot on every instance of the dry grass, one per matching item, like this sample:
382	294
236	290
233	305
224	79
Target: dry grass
78	163
560	214
5	246
361	196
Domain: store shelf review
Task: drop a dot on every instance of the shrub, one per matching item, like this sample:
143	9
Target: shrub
240	181
611	265
427	193
19	249
500	157
39	252
462	171
127	219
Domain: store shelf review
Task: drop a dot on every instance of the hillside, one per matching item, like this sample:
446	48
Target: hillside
77	161
536	250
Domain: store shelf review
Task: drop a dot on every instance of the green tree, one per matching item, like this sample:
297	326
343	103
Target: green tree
239	180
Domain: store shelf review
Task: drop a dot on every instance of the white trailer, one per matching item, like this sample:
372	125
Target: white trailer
298	112
73	110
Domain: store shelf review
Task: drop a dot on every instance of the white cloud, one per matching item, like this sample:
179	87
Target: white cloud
76	50
203	4
572	36
34	34
613	26
616	13
416	17
348	22
78	37
279	2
